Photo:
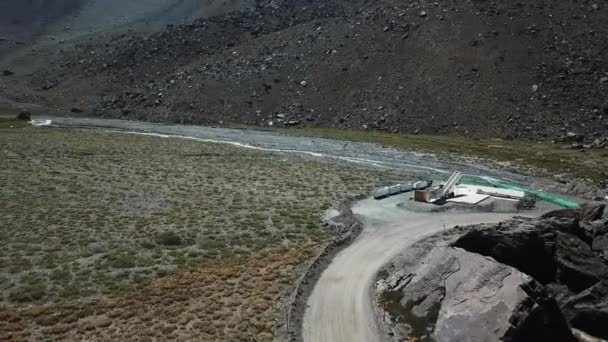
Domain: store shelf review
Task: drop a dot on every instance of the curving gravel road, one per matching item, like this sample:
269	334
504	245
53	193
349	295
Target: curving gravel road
340	306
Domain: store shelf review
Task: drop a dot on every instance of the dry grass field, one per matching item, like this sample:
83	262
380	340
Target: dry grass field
118	236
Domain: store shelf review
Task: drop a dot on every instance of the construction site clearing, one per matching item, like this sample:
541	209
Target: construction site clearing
473	192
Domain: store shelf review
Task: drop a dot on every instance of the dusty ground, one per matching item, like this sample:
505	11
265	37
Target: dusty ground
340	307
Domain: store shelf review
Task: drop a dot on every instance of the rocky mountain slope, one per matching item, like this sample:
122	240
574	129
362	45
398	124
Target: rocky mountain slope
512	69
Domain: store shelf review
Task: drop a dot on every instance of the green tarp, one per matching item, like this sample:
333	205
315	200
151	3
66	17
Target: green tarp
544	196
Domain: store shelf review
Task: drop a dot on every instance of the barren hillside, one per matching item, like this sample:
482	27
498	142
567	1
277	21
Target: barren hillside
533	70
23	20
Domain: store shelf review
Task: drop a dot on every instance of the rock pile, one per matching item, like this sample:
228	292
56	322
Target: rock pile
503	68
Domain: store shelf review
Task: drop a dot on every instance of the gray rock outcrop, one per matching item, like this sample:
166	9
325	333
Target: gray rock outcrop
455	295
549	250
588	310
525	279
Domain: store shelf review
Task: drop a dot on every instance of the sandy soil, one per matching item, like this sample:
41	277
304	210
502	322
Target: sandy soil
340	306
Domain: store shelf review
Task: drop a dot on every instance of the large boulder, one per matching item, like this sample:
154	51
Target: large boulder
594	229
600	246
565	250
519	243
577	266
539	318
592	211
547	249
525	279
449	294
588	310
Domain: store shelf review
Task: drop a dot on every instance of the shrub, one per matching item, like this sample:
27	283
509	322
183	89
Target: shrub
28	293
122	260
169	238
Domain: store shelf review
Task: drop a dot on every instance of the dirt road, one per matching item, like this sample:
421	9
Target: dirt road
340	306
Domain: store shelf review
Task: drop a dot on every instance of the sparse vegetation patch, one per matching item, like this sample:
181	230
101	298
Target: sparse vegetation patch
90	218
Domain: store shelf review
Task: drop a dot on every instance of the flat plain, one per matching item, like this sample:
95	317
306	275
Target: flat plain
112	235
